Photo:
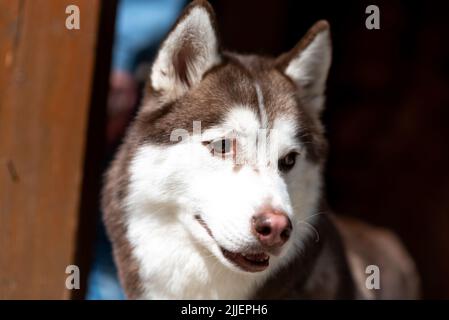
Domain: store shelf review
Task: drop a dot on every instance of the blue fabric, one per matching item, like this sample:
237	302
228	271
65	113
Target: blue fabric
103	283
141	24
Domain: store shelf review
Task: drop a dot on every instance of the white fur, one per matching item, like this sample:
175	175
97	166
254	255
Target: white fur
170	185
196	30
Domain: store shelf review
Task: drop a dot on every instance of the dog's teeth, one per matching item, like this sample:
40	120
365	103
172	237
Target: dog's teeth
255	257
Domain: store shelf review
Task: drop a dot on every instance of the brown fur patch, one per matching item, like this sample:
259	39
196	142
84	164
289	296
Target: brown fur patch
222	88
226	86
114	193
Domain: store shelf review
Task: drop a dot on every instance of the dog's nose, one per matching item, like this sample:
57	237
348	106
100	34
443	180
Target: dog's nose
272	228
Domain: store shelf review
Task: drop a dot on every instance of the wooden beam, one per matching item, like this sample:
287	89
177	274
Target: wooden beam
45	92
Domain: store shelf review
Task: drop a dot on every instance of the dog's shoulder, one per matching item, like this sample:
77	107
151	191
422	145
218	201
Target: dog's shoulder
371	250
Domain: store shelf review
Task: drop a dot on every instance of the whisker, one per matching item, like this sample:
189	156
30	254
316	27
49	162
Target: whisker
317	235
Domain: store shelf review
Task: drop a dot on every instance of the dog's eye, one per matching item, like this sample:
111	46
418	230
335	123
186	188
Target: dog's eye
220	147
286	163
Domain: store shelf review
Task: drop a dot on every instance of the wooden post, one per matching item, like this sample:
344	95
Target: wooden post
45	92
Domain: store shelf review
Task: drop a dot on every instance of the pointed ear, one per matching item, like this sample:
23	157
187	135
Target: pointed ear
190	49
307	64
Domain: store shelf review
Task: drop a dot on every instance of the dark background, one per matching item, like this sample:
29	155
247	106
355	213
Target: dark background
387	111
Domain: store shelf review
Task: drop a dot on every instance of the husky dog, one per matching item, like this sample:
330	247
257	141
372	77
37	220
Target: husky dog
216	191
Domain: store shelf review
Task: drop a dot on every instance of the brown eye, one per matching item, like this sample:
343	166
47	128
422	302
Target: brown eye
220	146
286	163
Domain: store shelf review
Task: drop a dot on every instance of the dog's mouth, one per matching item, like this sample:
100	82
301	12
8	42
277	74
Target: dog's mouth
250	262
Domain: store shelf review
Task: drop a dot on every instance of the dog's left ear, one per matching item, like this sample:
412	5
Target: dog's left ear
308	63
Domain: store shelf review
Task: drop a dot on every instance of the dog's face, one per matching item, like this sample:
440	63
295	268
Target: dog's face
228	146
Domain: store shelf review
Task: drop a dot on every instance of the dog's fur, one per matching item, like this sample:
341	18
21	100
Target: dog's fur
170	205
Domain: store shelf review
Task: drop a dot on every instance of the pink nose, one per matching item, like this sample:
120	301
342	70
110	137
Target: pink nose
272	228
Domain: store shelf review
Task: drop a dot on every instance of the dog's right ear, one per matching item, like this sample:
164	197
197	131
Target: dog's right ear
307	64
190	49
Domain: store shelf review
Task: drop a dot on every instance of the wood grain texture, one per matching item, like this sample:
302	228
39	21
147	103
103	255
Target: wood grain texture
45	90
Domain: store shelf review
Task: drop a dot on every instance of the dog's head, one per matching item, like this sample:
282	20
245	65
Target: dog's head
231	146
